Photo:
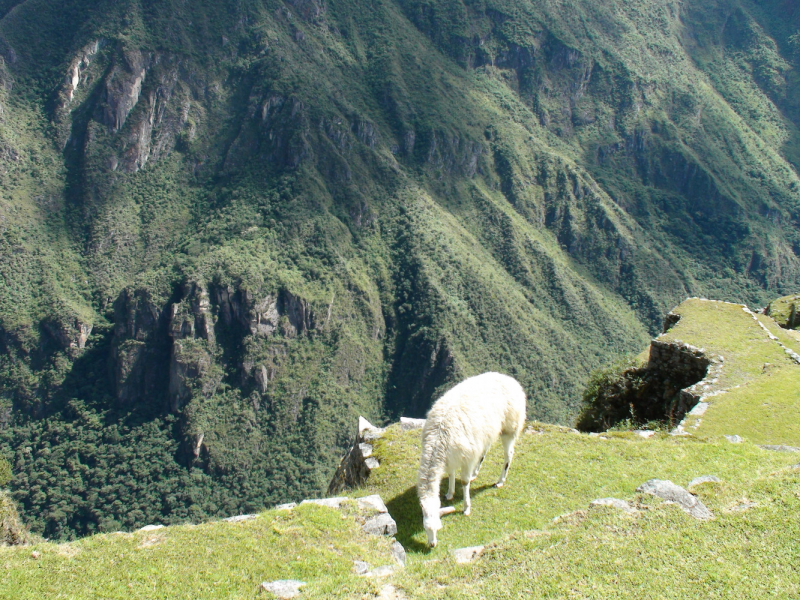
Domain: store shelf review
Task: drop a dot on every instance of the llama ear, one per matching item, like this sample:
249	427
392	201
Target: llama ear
446	510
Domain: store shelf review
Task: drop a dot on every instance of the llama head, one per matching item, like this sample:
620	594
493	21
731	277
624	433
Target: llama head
432	513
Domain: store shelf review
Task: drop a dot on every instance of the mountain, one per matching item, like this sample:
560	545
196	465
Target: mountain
228	228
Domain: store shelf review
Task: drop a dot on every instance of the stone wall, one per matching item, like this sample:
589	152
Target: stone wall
358	463
677	374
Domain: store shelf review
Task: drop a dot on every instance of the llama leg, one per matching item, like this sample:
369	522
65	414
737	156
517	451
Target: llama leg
467	470
508	445
478	468
467	503
451	488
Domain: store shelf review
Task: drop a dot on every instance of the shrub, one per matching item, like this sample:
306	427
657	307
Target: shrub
611	395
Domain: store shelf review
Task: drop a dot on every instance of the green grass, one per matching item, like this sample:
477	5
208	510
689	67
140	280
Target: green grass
541	539
784	309
659	552
216	560
553	473
759	410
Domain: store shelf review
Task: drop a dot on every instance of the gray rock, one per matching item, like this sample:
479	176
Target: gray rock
467	555
677	495
360	567
734	439
283	588
240	518
372	463
151	527
382	524
780	448
703	479
329	502
287	506
699	409
644	433
406	423
399	553
363	425
613	503
366	450
372	434
372	502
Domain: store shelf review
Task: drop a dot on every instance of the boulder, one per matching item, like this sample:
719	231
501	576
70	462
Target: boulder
399	553
374	502
360	567
329	502
382	524
383	571
677	495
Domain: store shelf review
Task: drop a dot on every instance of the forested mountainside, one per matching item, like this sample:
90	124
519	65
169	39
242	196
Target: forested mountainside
227	228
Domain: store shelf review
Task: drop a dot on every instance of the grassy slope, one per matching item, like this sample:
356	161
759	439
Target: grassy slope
216	560
542	539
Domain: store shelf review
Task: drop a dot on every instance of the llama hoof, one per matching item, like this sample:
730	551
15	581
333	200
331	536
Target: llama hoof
467	511
449	497
499	484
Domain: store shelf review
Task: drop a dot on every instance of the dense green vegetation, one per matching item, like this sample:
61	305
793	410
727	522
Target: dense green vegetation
228	228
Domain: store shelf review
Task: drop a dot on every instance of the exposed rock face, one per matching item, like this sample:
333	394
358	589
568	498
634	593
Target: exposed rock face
77	67
451	153
191	328
258	316
154	130
190	369
175	347
140	350
298	312
69	333
123	88
192	317
278	133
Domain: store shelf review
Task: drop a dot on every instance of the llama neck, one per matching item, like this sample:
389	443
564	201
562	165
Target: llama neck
432	465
